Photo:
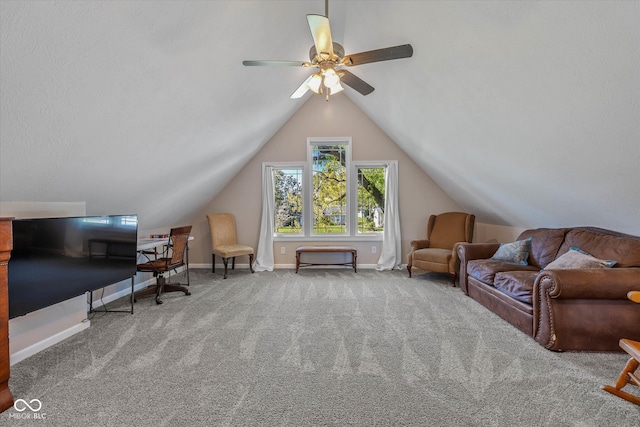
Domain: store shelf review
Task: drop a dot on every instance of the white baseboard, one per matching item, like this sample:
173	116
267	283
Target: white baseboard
121	293
126	291
48	342
220	267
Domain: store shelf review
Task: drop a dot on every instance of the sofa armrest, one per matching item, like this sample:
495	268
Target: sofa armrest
468	251
601	283
587	304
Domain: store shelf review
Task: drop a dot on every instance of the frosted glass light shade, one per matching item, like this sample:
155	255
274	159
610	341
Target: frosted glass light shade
336	88
315	82
330	78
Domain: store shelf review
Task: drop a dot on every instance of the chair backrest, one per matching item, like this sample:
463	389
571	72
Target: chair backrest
178	238
223	229
445	230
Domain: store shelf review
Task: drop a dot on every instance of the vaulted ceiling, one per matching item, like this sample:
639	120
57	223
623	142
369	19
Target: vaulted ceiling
526	113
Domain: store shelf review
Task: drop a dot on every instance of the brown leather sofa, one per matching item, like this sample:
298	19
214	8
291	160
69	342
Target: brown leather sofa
562	309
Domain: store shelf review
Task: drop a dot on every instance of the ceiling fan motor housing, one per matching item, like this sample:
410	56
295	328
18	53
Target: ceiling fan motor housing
338	54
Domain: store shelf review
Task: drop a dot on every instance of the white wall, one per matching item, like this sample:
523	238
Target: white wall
419	196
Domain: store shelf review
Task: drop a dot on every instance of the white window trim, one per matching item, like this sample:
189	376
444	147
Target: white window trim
352	234
308	226
355	165
291	165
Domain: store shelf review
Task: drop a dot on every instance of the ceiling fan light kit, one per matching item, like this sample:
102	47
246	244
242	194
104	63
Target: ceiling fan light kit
329	58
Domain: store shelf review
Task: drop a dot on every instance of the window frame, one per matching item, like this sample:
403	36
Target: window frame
364	164
352	233
311	141
285	166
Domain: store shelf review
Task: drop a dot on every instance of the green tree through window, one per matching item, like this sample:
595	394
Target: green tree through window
329	195
329	189
288	200
370	199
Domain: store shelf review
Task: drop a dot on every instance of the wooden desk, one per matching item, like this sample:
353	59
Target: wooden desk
327	249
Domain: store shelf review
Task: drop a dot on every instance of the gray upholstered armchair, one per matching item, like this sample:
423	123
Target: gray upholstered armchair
438	252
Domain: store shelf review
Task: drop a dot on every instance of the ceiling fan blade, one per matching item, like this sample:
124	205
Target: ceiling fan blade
302	89
321	33
355	82
276	63
385	54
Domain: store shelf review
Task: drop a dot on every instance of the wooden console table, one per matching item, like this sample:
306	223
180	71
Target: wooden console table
327	249
6	244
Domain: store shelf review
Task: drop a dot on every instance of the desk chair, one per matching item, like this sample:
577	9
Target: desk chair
173	256
629	374
438	252
224	243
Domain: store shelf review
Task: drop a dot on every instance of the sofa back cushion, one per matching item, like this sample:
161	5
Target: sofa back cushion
604	244
544	245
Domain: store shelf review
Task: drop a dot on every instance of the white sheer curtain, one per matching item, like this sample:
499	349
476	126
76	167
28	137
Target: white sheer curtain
264	256
391	251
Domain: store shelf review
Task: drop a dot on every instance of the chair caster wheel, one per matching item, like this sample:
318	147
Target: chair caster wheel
187	293
159	301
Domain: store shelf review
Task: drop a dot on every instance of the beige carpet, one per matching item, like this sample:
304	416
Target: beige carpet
322	347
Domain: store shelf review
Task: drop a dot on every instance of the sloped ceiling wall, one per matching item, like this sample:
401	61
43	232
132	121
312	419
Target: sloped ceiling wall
526	113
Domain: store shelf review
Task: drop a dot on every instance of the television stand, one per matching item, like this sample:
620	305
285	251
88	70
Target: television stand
91	310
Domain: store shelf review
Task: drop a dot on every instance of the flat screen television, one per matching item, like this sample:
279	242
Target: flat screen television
55	259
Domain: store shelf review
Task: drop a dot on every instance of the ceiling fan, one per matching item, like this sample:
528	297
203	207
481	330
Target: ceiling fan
329	58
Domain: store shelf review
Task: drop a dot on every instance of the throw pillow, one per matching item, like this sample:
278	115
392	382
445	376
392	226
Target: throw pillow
576	258
516	252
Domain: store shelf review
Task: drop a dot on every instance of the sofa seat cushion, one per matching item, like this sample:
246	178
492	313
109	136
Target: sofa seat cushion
440	256
485	270
516	284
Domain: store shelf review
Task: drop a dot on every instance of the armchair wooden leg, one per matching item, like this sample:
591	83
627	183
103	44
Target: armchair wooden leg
409	270
251	263
213	263
453	279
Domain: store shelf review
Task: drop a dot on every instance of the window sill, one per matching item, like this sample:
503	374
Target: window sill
341	238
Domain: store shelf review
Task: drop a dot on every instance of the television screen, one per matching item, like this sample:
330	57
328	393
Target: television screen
55	259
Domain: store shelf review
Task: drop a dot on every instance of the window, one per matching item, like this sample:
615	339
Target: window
329	177
370	194
287	182
329	197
